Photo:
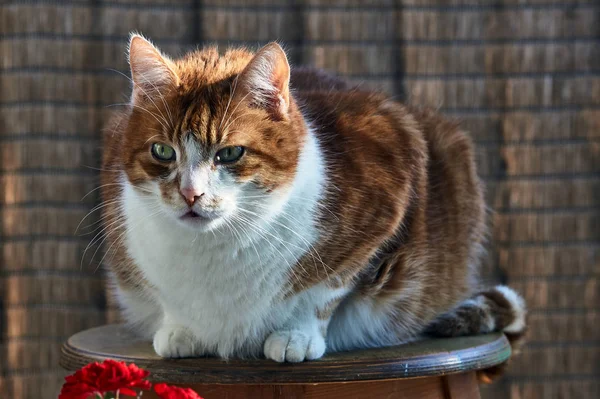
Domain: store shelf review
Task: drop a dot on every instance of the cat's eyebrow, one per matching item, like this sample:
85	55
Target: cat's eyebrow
231	133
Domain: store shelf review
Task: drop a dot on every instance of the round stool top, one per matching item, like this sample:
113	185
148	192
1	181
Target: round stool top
419	359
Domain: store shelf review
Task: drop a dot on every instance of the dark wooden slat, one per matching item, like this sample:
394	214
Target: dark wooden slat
47	255
550	388
45	118
544	194
39	220
510	92
560	327
563	226
512	57
45	153
26	290
550	262
42	188
35	385
166	23
17	356
574	158
492	24
557	361
49	321
582	294
64	87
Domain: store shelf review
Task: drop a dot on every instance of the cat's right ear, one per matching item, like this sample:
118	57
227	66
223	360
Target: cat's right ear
152	73
266	79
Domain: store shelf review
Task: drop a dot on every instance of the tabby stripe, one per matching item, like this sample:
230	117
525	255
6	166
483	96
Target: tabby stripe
210	131
187	118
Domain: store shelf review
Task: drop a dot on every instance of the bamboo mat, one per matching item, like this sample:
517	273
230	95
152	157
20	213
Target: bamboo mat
523	76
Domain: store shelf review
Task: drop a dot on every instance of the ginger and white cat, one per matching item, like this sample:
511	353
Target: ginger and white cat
253	210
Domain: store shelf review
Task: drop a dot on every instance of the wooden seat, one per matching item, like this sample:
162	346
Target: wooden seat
440	368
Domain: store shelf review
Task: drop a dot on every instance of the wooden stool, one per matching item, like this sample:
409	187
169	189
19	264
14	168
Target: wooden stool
441	368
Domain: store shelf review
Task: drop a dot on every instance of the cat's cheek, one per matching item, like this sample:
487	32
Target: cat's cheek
169	193
228	202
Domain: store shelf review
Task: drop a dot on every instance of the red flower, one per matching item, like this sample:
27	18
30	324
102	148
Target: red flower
165	391
104	377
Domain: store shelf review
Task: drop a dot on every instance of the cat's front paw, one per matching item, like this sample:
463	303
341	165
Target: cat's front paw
294	346
174	341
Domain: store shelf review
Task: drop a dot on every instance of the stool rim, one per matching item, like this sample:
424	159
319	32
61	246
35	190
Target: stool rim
435	357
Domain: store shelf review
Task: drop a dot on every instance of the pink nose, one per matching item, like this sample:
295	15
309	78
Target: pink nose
190	195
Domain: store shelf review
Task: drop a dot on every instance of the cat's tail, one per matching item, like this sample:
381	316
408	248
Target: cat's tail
496	309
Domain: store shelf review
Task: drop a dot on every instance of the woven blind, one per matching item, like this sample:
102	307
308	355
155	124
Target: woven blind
524	76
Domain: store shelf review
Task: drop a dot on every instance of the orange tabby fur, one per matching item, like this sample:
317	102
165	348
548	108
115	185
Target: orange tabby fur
402	218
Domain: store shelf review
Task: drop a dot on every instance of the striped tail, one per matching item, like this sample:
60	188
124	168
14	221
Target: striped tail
496	309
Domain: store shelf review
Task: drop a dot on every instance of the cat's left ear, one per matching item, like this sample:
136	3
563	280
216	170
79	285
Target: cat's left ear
152	73
265	81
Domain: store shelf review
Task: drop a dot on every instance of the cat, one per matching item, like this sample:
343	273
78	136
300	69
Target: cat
253	210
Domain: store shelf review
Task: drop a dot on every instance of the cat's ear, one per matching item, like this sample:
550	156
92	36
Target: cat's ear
152	73
265	82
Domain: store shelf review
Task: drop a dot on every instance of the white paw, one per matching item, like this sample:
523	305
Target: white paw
294	346
174	341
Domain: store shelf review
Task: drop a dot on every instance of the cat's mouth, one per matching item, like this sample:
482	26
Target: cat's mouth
199	217
193	215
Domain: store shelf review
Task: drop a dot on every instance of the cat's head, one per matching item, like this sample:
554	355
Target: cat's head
210	137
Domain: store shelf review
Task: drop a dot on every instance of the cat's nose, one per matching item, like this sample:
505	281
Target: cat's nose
190	195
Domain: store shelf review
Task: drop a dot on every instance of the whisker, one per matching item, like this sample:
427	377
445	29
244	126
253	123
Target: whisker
258	230
102	170
310	245
161	97
231	93
120	235
129	229
143	109
96	208
227	124
156	135
146	93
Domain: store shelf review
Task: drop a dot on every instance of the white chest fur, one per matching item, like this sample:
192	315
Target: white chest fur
224	285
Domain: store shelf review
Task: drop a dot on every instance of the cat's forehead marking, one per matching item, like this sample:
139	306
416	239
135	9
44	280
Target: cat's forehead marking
186	124
202	123
192	149
202	120
208	127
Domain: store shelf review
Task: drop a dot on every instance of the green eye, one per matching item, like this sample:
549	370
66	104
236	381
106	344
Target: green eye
163	152
229	154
